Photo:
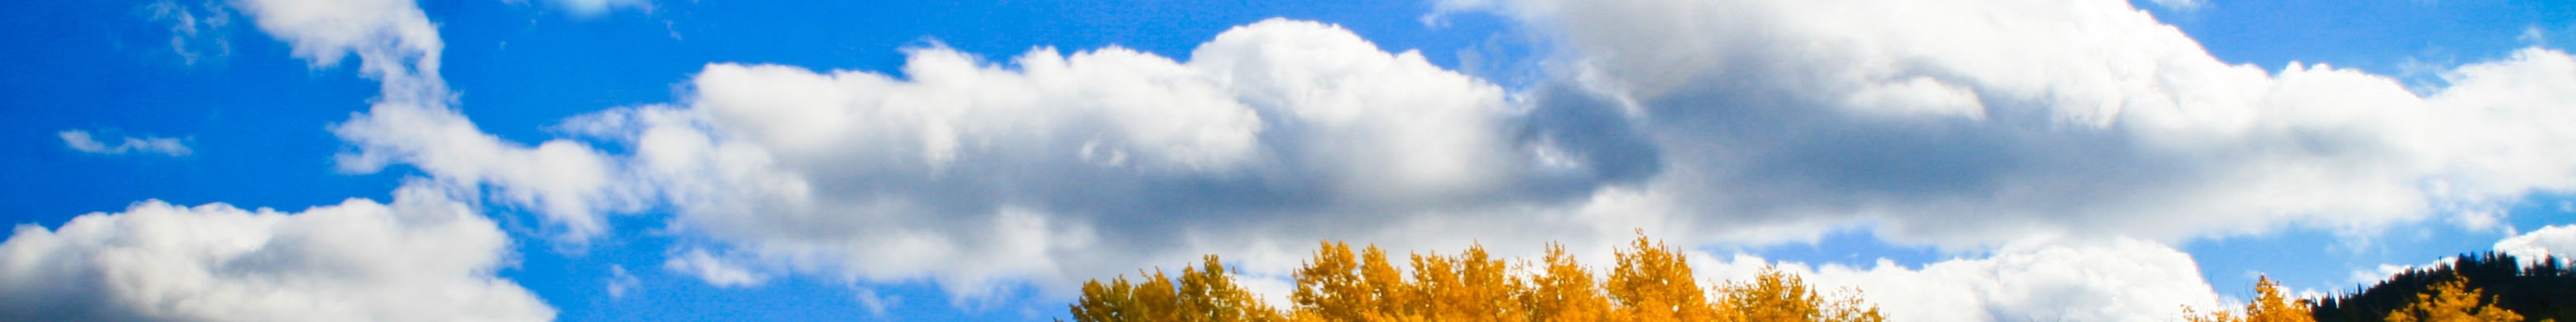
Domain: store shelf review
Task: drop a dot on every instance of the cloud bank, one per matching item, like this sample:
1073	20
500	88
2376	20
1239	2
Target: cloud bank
1974	123
1968	126
422	258
1010	172
2064	140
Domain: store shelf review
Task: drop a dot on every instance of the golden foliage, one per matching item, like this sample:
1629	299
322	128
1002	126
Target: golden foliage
1209	295
1650	282
1778	296
1654	283
1563	291
2451	301
2268	306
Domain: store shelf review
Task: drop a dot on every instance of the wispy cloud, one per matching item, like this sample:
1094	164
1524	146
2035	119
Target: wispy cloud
2181	5
85	142
590	8
620	282
196	32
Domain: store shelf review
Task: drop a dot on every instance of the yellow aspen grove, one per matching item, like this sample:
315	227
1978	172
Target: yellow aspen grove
2451	301
1153	300
1471	286
1650	282
1563	291
1329	287
1779	296
2268	306
1209	295
1212	295
1385	284
1654	283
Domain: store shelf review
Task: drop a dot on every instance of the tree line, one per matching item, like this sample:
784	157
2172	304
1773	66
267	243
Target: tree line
2469	285
1653	282
1649	282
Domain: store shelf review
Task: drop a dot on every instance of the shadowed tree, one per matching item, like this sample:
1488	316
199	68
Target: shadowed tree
2452	301
2544	289
1209	295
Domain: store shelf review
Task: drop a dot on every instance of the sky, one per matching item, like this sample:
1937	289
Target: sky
585	160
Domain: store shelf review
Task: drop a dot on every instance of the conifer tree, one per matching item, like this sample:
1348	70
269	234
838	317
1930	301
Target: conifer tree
2452	301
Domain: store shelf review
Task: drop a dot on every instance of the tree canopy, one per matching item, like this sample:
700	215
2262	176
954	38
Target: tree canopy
1649	282
1652	282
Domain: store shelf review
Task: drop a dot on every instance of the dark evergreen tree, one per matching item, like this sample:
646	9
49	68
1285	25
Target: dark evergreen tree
2545	290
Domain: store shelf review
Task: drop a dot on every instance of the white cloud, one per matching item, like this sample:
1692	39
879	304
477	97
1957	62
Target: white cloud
620	282
2030	280
2533	36
1962	125
1972	123
426	256
1958	124
196	32
2181	5
973	174
2540	244
84	142
572	185
714	271
395	42
588	8
422	258
567	182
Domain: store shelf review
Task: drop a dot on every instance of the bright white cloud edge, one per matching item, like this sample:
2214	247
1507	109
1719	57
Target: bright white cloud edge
421	258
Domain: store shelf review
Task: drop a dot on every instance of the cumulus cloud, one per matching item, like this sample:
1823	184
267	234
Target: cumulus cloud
411	123
2539	245
571	184
971	173
1973	123
1960	125
422	258
84	142
2030	280
1967	125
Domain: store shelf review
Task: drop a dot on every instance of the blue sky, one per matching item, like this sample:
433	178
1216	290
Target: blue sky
819	161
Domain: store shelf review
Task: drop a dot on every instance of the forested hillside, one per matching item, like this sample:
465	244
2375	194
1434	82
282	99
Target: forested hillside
2545	290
